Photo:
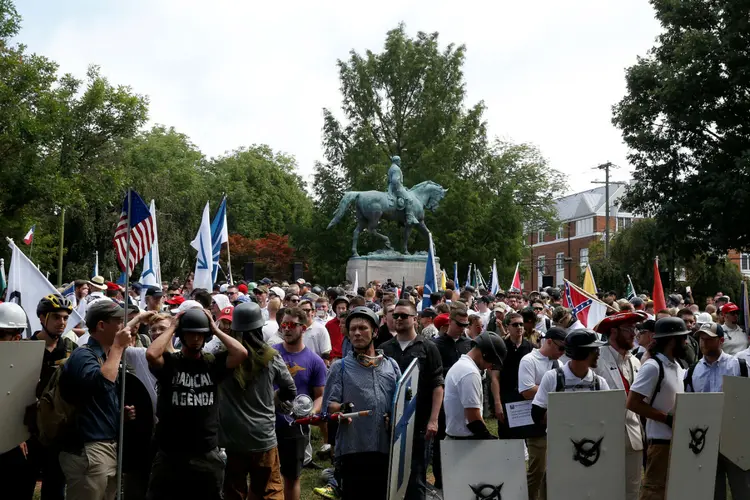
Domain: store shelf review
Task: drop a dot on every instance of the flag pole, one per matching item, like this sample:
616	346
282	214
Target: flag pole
121	434
229	256
31	250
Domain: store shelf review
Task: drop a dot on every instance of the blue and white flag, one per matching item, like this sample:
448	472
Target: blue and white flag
219	236
468	277
494	286
151	273
430	283
455	275
203	265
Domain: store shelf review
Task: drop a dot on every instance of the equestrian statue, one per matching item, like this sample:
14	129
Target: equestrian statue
405	206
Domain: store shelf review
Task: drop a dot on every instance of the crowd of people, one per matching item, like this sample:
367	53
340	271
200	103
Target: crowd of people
236	376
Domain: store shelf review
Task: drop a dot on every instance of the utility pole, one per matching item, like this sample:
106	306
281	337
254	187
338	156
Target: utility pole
606	167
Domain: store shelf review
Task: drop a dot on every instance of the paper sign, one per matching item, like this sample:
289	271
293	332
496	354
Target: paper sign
518	414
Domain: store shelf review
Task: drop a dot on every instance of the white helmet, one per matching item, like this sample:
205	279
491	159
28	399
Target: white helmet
704	317
12	315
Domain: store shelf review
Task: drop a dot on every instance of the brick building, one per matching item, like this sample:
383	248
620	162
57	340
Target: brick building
562	253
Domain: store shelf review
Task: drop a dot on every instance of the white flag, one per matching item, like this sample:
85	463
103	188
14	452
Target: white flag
204	261
151	274
356	281
27	286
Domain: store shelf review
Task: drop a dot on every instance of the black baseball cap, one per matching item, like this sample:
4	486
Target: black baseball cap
427	313
556	333
647	325
154	291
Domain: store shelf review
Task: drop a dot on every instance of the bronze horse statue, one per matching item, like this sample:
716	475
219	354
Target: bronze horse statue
371	206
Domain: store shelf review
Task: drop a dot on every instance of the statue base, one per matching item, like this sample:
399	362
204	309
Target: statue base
386	264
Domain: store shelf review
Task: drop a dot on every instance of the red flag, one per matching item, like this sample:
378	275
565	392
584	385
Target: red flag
657	295
516	285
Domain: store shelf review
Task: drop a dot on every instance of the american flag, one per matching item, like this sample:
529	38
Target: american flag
141	232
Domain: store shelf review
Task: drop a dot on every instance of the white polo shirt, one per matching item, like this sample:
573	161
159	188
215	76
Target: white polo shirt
645	384
735	340
710	377
572	384
316	339
532	368
463	389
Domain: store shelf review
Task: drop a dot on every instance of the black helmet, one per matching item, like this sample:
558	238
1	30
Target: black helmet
579	343
247	317
194	320
317	290
363	312
669	327
492	347
53	303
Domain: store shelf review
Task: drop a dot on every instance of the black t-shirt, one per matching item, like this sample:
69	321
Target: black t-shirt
509	373
52	359
187	405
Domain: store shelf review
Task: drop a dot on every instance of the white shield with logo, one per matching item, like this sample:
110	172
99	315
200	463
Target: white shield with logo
490	468
402	432
586	445
695	445
735	440
20	365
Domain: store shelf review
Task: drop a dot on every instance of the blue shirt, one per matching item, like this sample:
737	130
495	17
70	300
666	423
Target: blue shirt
709	377
96	398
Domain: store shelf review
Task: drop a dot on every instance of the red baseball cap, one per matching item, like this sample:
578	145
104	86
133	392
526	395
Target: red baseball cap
175	301
226	313
442	320
729	308
112	286
242	288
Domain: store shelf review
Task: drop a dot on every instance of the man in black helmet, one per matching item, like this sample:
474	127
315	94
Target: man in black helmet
187	463
463	387
653	395
365	379
582	347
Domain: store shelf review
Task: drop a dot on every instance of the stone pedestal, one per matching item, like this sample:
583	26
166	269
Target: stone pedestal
383	265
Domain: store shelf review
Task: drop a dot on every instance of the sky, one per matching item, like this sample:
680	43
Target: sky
232	73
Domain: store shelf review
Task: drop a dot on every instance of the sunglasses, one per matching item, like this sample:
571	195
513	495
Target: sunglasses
517	325
294	301
403	316
462	325
290	326
560	347
173	295
539	309
307	310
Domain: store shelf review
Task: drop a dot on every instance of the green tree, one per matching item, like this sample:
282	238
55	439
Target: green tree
409	101
684	119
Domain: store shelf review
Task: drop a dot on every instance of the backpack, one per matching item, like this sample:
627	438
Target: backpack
55	416
560	387
688	382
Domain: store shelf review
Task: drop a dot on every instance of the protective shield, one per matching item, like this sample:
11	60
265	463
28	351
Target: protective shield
488	469
137	448
695	445
20	366
586	444
735	440
402	432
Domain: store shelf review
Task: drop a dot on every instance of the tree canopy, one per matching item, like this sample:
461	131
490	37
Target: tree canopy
409	100
684	117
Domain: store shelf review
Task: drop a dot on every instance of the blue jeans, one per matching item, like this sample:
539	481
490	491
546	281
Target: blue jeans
421	451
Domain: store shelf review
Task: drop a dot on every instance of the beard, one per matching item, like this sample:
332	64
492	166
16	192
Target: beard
623	342
679	349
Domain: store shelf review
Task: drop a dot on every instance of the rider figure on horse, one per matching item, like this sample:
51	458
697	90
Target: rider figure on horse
398	192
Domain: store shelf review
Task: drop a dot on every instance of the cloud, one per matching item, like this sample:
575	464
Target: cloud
234	73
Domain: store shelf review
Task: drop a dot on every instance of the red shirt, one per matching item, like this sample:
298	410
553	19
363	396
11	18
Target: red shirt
337	338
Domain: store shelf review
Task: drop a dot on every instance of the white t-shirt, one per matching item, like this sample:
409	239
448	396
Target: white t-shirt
463	389
645	384
270	329
136	357
572	384
316	339
214	346
734	340
485	318
532	368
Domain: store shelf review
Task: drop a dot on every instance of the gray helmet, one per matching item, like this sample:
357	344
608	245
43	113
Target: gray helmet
669	327
363	312
247	317
579	343
492	347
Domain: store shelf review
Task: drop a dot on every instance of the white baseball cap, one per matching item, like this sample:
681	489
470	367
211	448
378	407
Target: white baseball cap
278	292
188	304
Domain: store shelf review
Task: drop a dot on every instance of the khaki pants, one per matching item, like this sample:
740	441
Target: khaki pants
264	470
536	473
654	484
91	475
633	472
